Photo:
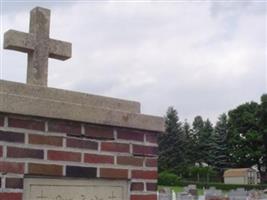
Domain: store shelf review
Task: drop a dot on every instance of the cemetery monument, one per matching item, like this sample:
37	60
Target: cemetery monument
64	145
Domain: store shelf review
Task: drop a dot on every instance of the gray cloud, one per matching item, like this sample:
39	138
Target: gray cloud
201	58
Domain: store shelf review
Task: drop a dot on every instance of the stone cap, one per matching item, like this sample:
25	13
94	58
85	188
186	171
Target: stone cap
24	99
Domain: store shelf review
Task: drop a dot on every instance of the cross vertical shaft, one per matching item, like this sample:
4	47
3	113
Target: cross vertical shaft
37	71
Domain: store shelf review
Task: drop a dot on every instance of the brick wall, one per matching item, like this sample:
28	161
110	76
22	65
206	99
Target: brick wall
47	147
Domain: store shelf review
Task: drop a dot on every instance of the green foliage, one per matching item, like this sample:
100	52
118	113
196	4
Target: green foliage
204	139
198	173
245	137
221	141
171	144
168	178
264	98
263	128
238	139
202	171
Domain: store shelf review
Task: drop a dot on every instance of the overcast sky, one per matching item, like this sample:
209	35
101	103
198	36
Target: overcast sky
202	57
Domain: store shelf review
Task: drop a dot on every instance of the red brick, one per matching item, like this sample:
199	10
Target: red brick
2	119
144	197
68	127
150	162
114	173
130	135
45	169
11	167
10	196
141	150
14	183
151	186
82	144
15	152
1	151
115	147
26	123
132	161
152	137
45	140
142	174
93	158
11	137
64	156
81	172
99	132
137	187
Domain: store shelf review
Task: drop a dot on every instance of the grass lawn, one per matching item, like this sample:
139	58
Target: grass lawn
181	189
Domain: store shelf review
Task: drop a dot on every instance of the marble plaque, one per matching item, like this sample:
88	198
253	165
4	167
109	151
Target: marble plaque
65	189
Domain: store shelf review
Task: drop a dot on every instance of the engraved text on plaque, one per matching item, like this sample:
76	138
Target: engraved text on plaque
64	189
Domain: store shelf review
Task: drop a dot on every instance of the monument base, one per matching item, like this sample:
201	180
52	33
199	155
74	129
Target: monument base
71	145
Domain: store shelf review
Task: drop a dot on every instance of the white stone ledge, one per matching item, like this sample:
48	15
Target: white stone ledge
60	95
38	101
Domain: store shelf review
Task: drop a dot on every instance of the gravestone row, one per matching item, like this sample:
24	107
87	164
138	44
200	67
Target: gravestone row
211	194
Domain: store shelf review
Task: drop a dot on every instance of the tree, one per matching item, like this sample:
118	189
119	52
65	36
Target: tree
207	142
203	133
198	125
263	129
171	144
220	153
189	144
245	136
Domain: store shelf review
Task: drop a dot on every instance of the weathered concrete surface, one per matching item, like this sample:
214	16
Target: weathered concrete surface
19	41
60	104
38	45
53	94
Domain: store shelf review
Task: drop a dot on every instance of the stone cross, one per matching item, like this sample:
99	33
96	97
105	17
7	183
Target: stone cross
38	46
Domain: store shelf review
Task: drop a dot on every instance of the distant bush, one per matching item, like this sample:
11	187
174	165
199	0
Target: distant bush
168	179
223	186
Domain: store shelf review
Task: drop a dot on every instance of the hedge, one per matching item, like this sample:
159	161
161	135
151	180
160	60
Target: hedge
168	179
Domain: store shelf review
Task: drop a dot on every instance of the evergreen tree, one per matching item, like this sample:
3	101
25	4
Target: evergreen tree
198	125
204	139
263	130
189	144
220	153
171	144
207	142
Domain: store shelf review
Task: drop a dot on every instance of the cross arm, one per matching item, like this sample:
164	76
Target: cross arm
59	49
19	41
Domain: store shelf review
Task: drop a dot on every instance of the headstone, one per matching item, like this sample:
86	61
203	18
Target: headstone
256	195
238	194
184	196
212	193
191	189
165	194
45	189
